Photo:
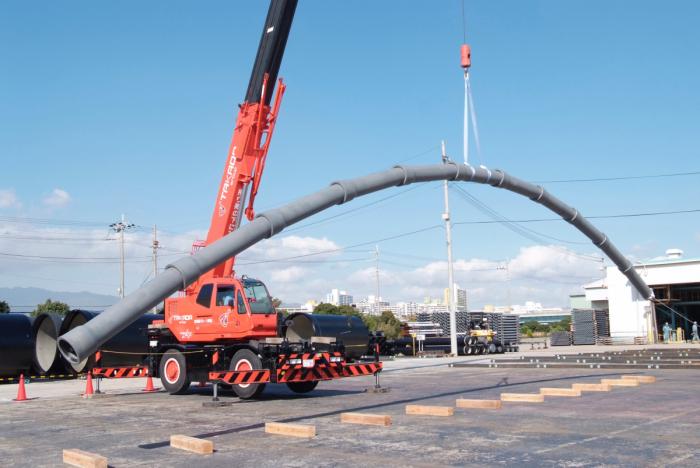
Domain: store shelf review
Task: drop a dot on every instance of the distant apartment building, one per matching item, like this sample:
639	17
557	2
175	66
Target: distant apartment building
460	297
339	298
373	305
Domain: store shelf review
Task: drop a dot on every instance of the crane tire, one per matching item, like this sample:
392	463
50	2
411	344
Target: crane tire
245	359
302	387
173	372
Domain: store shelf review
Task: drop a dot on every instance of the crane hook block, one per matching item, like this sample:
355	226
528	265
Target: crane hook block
466	56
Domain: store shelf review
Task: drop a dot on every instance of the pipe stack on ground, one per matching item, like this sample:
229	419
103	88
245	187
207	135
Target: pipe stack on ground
29	345
16	344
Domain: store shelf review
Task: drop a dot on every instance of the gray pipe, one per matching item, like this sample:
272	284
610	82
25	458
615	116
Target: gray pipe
81	342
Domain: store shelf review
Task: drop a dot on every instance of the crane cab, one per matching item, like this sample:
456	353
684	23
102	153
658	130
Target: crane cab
222	309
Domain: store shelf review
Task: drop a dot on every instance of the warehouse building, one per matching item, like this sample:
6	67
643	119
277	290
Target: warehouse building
675	281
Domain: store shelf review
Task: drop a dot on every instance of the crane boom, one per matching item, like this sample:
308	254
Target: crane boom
252	134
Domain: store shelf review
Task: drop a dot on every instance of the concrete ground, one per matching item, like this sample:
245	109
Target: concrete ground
650	425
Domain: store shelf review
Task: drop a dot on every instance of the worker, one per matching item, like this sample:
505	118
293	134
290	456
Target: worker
667	332
696	338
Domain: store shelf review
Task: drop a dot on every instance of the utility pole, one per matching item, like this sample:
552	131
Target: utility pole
450	269
119	228
376	272
155	246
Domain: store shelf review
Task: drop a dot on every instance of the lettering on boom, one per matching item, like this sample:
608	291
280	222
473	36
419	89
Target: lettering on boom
230	177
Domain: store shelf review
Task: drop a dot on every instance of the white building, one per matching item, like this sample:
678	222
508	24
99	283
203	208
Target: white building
373	305
460	298
675	281
339	298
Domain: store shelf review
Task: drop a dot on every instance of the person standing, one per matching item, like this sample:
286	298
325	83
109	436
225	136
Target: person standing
667	332
695	338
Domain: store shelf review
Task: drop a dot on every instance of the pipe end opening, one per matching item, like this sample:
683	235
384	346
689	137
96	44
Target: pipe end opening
67	351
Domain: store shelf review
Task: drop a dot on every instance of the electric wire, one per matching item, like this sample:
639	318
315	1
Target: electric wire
520	230
607	179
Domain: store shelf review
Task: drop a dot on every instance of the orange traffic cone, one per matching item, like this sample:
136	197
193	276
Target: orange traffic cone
89	392
21	391
149	385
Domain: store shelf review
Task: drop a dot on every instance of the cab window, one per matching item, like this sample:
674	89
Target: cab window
241	303
204	296
258	298
224	294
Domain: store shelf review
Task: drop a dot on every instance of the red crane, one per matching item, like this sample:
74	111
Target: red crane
224	328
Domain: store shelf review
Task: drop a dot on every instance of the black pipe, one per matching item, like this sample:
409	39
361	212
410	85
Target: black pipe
349	330
46	330
127	348
16	344
130	346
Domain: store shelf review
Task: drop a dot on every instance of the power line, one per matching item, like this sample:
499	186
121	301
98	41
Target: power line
607	179
339	249
622	215
527	233
352	210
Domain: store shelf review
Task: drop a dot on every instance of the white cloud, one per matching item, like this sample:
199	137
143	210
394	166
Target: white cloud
285	247
8	199
288	275
546	274
57	198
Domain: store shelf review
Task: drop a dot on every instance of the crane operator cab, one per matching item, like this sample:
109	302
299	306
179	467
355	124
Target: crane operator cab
223	309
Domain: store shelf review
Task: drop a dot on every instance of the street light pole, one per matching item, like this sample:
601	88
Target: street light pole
120	227
450	269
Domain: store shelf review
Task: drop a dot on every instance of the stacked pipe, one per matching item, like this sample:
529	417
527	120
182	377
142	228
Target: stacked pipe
560	338
28	345
589	325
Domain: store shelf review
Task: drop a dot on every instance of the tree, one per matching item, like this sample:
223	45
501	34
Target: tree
4	307
326	309
52	307
389	324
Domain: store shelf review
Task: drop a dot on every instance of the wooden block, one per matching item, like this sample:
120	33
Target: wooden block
566	392
430	410
75	457
620	382
592	387
479	404
192	444
641	378
365	418
523	397
294	430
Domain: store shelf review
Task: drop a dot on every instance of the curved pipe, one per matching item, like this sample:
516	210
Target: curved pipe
84	340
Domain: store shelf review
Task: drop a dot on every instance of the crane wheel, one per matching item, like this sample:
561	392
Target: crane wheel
243	360
173	372
302	387
491	348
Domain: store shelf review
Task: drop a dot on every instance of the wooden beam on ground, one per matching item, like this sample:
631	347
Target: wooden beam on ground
620	382
365	418
430	410
641	378
294	430
592	387
192	444
563	392
523	397
82	459
479	404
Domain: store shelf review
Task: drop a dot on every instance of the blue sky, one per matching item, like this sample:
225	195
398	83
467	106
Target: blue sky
129	108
